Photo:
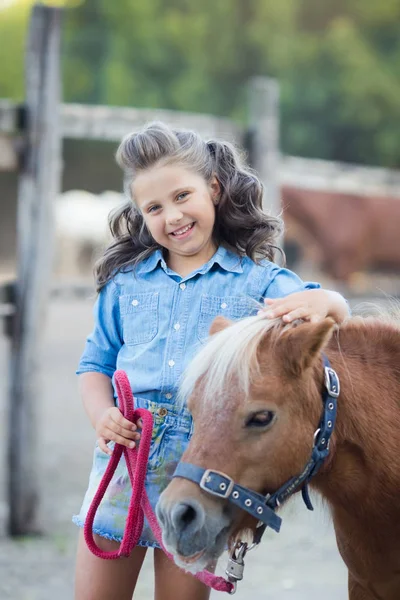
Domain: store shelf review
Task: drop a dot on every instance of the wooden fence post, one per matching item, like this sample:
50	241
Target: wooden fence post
38	186
264	138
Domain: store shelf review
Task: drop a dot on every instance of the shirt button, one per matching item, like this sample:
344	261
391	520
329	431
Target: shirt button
182	286
168	396
135	302
171	363
162	411
177	326
224	305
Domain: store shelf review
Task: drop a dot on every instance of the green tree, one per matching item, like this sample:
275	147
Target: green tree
13	25
337	62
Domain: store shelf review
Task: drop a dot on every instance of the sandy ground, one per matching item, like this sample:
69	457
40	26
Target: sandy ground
301	562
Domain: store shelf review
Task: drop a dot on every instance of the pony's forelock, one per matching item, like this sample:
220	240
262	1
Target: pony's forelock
229	356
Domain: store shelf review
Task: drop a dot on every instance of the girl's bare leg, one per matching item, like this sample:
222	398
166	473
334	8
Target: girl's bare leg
171	583
99	579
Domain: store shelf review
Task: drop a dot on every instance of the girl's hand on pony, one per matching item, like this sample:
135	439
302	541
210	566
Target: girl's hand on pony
112	426
310	305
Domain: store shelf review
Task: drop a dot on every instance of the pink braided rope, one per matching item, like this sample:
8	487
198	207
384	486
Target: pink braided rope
139	505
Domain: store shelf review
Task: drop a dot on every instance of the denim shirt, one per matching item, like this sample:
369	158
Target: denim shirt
149	321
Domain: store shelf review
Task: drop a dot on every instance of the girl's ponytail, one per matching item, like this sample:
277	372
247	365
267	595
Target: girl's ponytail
240	219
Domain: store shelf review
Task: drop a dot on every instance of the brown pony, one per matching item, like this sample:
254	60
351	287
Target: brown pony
255	396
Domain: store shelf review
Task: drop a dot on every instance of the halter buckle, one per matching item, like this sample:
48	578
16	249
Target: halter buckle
332	383
220	485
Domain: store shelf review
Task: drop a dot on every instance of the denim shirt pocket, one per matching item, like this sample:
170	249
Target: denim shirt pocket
231	307
139	313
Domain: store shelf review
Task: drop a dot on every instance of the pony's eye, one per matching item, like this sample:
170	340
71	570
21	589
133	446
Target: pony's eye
260	419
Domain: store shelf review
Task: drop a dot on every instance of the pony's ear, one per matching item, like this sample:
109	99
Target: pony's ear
219	324
301	345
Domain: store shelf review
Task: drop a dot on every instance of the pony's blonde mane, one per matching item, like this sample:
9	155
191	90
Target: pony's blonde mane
227	354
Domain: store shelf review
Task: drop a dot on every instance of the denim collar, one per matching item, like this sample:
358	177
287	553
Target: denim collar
226	259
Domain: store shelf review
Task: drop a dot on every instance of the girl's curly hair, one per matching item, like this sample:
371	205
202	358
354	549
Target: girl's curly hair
240	221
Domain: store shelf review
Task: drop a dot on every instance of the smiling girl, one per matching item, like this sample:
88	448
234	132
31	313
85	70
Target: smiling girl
191	243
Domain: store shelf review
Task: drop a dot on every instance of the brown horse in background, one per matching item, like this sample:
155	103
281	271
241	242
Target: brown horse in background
255	396
348	232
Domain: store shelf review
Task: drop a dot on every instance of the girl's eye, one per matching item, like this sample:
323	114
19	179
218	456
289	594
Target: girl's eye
182	196
260	419
153	208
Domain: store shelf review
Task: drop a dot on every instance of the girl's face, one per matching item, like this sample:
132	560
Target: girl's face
178	207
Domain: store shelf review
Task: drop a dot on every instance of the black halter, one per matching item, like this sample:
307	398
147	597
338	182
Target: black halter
262	507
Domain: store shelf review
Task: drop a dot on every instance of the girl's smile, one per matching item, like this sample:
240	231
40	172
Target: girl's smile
183	232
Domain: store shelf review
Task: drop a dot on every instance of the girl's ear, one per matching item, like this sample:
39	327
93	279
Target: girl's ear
215	190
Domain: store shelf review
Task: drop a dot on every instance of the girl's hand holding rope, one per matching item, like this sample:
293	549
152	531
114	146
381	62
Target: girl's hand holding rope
113	427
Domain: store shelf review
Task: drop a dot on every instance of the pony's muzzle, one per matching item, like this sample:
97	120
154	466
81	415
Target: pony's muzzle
183	525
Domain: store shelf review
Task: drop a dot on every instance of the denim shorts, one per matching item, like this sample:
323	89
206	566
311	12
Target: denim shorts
171	433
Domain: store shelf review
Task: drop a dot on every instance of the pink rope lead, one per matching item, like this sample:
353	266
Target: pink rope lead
139	505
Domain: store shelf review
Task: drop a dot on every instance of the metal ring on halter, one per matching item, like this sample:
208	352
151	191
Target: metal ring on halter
242	548
316	434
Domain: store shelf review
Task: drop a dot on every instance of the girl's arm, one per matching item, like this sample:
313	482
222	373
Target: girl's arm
107	420
311	305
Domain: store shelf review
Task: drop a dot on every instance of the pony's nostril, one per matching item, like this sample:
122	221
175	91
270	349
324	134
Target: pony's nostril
188	516
185	516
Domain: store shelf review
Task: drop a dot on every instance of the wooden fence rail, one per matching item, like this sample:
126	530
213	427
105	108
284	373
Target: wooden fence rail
111	123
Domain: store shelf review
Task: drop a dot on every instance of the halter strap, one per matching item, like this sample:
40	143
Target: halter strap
322	438
219	484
